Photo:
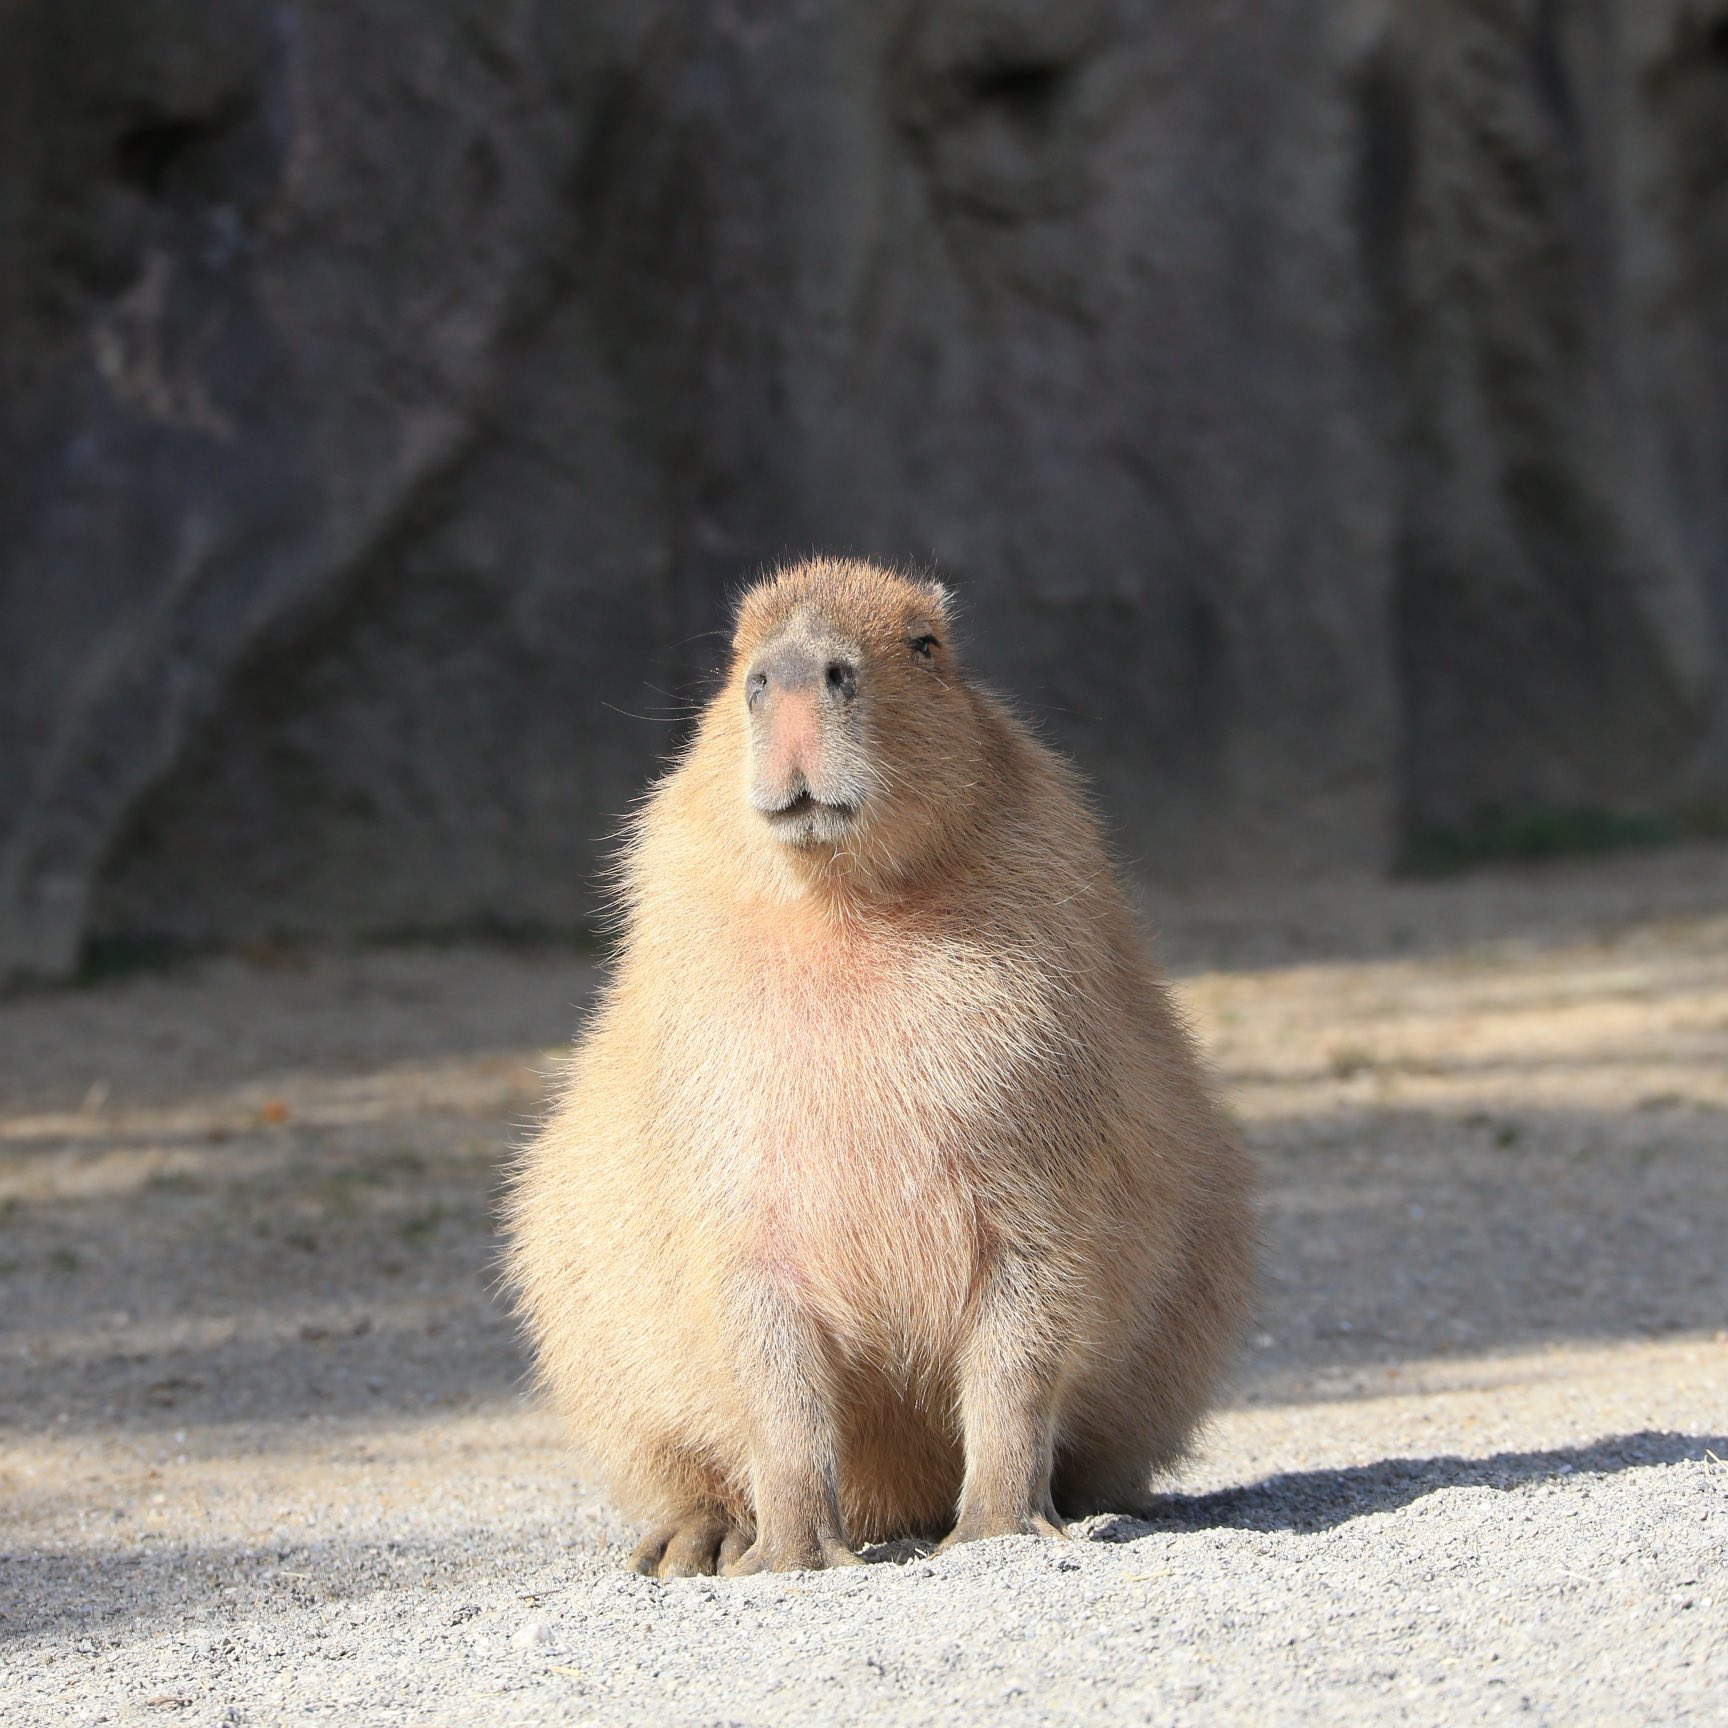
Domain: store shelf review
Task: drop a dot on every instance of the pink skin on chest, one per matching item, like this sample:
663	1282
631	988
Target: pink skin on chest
853	1188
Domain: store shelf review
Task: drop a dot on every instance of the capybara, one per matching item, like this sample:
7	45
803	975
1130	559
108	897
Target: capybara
884	1195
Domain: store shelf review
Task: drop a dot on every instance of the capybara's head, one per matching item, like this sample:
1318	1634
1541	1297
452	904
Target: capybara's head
860	740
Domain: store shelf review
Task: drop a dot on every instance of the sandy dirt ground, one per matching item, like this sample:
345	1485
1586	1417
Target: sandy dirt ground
265	1456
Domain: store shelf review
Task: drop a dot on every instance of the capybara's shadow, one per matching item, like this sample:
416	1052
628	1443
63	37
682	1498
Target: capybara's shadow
1306	1500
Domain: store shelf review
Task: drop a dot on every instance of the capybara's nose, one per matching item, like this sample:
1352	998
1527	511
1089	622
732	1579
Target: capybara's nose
788	668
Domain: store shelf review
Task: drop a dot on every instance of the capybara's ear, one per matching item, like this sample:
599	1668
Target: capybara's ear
940	596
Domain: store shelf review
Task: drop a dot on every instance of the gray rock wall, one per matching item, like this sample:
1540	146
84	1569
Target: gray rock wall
1321	406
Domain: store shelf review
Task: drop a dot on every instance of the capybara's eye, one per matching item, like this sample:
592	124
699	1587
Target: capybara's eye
923	645
754	685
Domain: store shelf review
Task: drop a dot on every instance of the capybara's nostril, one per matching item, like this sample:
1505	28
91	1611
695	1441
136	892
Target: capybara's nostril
783	667
842	679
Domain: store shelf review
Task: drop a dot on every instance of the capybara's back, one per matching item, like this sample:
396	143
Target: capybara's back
885	1195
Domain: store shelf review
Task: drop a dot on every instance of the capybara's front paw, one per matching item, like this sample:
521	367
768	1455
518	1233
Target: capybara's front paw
810	1553
694	1546
979	1527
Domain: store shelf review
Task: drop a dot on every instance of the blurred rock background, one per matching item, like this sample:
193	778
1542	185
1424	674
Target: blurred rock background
1321	406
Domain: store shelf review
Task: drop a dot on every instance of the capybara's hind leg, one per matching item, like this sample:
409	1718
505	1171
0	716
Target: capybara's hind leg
694	1545
1008	1383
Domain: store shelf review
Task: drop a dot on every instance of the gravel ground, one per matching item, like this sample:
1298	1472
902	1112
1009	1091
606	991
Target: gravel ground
264	1458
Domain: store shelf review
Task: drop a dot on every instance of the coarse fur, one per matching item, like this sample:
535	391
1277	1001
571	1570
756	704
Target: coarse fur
885	1195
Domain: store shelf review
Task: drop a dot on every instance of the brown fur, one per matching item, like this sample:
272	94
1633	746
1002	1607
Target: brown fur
885	1195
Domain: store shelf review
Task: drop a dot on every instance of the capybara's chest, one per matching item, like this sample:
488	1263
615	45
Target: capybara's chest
851	1114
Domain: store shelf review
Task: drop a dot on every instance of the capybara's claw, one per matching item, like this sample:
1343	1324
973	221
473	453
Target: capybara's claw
817	1554
695	1546
982	1528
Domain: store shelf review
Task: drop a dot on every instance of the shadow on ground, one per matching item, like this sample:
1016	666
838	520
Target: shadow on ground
1308	1500
204	1583
1326	923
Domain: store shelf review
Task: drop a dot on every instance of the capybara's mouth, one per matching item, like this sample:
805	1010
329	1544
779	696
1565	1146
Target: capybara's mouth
802	803
805	812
